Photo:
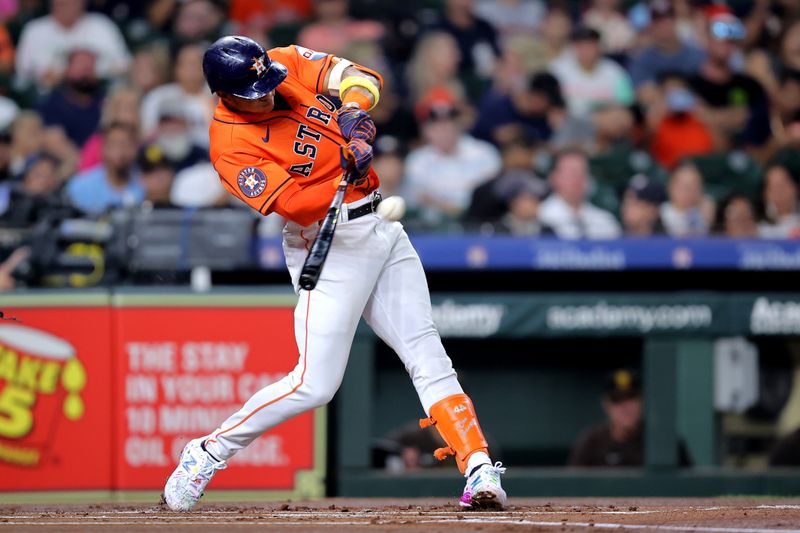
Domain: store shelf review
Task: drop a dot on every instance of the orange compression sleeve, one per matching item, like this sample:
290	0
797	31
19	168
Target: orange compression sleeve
355	96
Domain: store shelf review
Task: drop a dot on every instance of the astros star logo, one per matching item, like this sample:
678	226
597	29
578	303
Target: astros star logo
252	181
259	66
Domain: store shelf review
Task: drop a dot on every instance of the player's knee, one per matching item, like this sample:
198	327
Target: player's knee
321	395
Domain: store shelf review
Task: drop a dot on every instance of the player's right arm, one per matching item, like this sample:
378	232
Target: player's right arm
330	75
359	90
357	87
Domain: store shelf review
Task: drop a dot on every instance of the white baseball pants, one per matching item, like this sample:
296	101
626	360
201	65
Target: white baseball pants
371	270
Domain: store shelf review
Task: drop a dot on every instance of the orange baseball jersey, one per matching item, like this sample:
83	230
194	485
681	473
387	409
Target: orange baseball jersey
258	157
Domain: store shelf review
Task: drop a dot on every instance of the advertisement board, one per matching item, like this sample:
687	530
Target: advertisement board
55	395
183	371
102	392
496	252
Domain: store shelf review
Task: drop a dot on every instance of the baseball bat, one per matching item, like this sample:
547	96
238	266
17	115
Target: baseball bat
315	260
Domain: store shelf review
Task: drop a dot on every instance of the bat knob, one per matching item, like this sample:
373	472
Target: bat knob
308	281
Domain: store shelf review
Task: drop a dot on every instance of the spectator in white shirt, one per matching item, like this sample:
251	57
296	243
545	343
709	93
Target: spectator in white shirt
567	209
688	211
587	79
46	42
190	88
616	32
441	174
781	216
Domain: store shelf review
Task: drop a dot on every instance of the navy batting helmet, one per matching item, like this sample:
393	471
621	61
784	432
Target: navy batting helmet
240	66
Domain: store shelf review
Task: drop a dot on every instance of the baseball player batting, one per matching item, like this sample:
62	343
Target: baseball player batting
278	143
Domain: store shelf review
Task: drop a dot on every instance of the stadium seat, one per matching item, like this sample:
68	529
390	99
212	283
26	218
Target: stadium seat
606	196
618	166
612	172
790	158
176	239
728	172
284	33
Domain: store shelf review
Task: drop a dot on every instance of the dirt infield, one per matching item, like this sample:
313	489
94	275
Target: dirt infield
540	515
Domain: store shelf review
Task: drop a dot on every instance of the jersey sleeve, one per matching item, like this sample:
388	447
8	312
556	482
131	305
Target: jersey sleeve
310	67
307	65
254	181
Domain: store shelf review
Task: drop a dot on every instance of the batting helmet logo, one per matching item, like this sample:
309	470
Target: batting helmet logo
252	181
259	66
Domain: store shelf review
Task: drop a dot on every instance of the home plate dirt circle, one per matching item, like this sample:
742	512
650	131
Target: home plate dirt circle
540	515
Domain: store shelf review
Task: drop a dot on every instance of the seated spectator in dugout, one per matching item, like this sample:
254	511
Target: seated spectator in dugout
409	448
786	451
619	440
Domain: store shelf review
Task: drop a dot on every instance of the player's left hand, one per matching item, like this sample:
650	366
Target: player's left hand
357	156
356	124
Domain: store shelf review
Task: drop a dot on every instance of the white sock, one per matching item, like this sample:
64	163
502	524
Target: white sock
477	459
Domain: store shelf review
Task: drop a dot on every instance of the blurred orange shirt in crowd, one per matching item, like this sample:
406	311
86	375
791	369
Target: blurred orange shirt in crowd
680	136
6	50
269	13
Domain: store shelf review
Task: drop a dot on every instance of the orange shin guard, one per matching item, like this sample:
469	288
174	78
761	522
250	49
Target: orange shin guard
457	423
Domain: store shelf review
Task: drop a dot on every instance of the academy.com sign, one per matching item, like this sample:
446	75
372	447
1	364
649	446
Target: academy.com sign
642	318
775	318
467	320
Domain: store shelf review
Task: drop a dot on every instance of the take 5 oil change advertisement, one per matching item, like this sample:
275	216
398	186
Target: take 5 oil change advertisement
55	399
105	395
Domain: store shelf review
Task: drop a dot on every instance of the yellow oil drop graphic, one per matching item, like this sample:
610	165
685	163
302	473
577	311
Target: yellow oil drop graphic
73	378
73	407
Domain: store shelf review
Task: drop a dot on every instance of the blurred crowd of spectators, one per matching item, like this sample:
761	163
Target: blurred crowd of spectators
601	118
574	118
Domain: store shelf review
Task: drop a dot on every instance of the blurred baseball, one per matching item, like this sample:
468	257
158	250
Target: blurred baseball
392	208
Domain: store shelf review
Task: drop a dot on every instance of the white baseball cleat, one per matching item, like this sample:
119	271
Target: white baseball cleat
483	490
195	469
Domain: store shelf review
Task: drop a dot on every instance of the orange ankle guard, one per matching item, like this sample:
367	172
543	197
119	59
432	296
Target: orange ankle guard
457	423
